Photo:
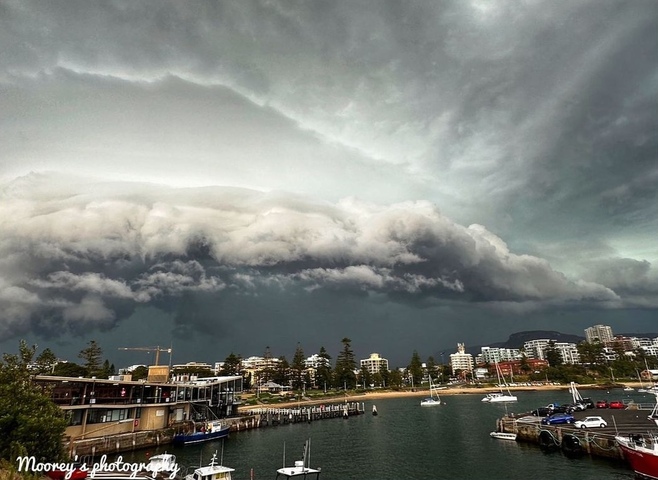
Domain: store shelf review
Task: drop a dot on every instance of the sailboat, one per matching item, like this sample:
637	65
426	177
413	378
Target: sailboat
497	397
433	399
301	468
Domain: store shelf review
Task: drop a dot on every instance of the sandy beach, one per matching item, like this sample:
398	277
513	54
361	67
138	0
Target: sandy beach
374	395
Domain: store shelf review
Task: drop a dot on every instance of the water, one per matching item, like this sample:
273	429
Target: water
406	441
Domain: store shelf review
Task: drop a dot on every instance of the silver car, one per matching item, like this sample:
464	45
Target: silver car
588	422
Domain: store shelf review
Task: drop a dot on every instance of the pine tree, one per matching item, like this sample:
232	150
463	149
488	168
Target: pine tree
344	376
92	358
298	368
323	373
232	365
415	369
46	362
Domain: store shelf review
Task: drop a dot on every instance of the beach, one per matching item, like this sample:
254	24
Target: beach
459	390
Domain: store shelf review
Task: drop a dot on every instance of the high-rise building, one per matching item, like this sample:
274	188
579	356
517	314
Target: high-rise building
374	363
461	360
601	333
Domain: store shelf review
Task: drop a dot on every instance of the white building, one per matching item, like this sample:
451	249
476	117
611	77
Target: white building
601	333
536	349
461	360
374	363
496	355
315	361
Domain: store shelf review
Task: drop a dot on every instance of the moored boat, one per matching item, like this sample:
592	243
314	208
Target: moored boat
301	468
503	435
211	472
641	452
212	430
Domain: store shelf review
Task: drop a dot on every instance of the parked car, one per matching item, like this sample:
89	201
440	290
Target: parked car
576	407
616	404
558	418
542	412
588	402
602	404
589	422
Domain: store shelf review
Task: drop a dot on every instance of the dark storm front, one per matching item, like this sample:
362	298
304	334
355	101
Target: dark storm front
405	441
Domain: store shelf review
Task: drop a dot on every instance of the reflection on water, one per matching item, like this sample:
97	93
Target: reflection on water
406	441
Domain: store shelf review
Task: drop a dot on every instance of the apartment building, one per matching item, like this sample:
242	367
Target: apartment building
374	363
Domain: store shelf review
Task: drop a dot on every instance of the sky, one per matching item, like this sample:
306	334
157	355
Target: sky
223	177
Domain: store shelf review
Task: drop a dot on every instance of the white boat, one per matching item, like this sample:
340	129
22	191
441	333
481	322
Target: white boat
628	389
301	468
503	435
433	399
500	397
653	416
641	451
163	463
211	472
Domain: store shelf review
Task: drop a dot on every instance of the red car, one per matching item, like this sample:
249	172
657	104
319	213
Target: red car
602	404
617	404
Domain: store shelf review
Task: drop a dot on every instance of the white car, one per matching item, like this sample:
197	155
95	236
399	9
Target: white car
590	422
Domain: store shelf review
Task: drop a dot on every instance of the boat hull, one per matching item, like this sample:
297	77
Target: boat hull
643	461
200	437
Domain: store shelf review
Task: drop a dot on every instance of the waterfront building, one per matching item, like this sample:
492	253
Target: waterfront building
98	408
461	360
600	333
374	363
315	361
536	349
497	355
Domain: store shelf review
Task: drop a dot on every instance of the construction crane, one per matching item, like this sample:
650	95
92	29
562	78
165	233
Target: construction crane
157	351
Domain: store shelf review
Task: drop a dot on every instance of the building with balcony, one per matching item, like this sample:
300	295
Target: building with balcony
600	333
461	361
374	363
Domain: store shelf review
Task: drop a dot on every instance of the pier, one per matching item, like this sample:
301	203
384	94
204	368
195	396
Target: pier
248	419
599	442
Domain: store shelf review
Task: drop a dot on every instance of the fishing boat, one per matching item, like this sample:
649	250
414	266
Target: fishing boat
503	435
498	397
301	468
202	432
433	399
211	472
164	463
641	451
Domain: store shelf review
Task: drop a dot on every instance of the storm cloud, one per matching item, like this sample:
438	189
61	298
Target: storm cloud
495	159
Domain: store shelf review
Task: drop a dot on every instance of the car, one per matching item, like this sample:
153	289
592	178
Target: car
602	404
576	407
588	402
616	404
558	418
542	412
590	422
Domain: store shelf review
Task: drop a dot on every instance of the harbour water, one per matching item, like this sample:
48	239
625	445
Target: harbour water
407	441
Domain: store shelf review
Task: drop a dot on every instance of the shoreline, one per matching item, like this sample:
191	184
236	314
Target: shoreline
375	395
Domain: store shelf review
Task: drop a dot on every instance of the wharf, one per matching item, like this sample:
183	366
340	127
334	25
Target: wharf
248	419
598	442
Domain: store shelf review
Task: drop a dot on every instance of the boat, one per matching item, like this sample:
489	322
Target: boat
211	472
641	451
374	410
163	463
498	397
653	416
503	435
628	389
433	399
202	432
301	468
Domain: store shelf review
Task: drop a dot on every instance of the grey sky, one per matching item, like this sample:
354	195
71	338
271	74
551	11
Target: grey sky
241	174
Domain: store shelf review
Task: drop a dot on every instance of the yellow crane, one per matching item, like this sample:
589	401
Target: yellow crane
157	351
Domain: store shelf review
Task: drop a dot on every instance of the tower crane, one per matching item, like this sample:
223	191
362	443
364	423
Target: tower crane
157	351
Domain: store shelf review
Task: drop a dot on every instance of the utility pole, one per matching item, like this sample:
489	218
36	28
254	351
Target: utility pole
157	351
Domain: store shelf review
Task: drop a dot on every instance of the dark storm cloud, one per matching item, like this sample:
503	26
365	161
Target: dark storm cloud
83	258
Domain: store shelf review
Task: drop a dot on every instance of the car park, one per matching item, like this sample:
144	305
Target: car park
602	404
558	418
616	404
590	422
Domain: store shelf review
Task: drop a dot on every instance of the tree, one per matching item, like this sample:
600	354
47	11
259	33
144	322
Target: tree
323	372
552	355
365	378
46	362
431	366
297	368
232	365
30	422
415	368
140	373
345	365
282	372
92	358
70	369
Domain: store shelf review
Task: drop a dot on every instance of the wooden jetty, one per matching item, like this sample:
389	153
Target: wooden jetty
599	442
